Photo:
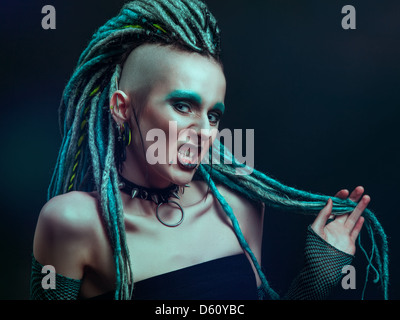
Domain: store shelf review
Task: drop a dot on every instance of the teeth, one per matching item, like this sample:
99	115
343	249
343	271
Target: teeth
185	153
188	158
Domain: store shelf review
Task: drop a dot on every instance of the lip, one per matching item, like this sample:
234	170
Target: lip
188	156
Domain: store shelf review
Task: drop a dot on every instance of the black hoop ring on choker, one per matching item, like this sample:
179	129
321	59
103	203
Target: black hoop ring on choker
167	224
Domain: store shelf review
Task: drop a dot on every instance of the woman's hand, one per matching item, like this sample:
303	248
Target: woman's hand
343	231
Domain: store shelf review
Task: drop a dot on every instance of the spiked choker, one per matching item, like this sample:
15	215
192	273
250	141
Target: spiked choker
159	196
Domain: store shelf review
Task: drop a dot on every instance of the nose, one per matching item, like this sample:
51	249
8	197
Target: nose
199	131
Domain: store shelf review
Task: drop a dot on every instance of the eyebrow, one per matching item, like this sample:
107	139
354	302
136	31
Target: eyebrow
191	95
219	106
184	94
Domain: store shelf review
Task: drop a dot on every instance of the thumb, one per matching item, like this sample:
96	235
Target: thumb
322	217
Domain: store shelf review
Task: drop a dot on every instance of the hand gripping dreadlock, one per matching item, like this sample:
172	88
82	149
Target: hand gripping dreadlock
87	161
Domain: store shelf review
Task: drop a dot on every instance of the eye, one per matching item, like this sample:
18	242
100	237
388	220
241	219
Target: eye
181	107
214	117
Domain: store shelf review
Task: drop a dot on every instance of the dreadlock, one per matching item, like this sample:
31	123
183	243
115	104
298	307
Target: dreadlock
87	161
259	187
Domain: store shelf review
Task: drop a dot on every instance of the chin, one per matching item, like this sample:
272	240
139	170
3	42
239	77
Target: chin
181	176
163	175
180	173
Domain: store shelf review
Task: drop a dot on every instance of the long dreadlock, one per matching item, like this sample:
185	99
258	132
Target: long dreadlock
87	162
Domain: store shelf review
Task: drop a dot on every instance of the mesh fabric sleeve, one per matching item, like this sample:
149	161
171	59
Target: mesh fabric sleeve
65	288
322	270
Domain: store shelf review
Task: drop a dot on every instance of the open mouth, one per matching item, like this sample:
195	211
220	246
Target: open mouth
188	156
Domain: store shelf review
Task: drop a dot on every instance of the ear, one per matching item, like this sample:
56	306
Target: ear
119	106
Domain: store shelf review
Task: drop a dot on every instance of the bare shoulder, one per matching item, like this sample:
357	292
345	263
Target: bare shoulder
240	204
72	213
65	229
250	215
67	209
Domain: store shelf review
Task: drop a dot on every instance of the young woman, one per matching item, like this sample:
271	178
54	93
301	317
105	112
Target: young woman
121	225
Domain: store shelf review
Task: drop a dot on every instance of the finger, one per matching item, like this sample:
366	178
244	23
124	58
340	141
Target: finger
342	194
341	218
322	217
355	215
356	194
357	228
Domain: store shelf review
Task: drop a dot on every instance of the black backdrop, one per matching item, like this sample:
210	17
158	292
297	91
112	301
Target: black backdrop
323	102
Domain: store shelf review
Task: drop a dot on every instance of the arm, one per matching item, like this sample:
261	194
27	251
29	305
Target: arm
61	240
322	269
329	247
64	288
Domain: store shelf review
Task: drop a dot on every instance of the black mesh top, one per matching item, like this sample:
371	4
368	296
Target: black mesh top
228	278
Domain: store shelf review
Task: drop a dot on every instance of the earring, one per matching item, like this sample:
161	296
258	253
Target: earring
124	139
127	135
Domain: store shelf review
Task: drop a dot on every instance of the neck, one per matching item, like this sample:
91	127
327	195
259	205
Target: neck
156	195
140	173
161	197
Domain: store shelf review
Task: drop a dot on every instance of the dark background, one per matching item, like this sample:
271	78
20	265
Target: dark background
323	102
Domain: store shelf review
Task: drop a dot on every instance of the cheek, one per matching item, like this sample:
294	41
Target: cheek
150	119
158	132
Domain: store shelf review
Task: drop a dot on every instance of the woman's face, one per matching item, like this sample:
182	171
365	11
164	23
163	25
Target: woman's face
179	99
